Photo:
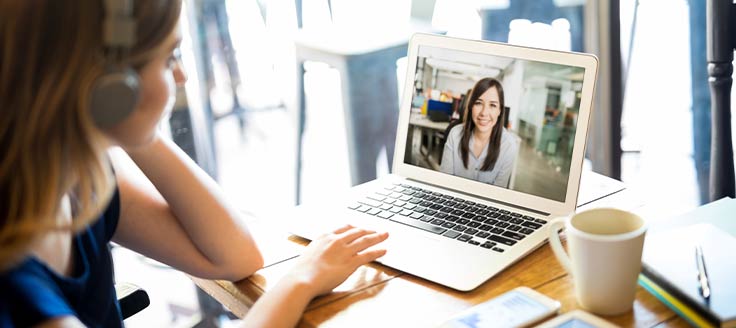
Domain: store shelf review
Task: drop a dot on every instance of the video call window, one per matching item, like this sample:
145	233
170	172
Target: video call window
497	120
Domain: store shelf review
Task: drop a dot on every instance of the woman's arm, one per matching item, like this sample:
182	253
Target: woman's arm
180	217
325	264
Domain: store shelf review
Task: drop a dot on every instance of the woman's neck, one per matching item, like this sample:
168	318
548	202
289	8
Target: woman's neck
481	138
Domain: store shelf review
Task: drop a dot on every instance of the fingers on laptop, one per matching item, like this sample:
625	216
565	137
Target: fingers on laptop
367	240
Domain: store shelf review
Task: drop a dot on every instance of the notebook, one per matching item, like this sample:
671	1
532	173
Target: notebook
459	224
670	273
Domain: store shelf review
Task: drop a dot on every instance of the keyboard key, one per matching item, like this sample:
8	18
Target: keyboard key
500	250
528	218
513	235
396	209
469	202
405	198
482	234
448	225
468	215
504	217
497	231
452	218
420	210
514	227
516	220
389	201
485	227
526	231
502	224
504	211
458	212
363	208
438	222
430	212
461	206
491	221
459	227
516	215
417	224
441	215
473	242
463	221
426	218
479	218
473	224
407	212
482	212
400	203
481	205
471	231
488	245
540	221
353	206
464	237
502	240
374	211
416	216
386	207
532	225
451	234
385	214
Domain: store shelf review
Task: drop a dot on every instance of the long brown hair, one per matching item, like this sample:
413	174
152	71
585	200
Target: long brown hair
51	52
494	145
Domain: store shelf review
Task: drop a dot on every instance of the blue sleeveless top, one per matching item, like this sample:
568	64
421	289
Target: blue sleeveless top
31	293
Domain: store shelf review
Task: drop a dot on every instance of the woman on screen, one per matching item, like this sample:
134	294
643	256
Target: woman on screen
481	149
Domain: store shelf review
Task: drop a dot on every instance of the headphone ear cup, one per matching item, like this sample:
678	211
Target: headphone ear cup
114	96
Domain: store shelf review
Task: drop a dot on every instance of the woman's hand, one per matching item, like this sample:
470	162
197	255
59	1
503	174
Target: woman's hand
330	259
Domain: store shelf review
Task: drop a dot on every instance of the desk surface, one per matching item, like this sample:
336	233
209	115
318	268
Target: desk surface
380	296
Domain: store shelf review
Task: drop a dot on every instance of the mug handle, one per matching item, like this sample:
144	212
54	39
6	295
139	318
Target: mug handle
554	242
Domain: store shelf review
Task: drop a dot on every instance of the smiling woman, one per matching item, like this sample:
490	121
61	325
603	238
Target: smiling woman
481	149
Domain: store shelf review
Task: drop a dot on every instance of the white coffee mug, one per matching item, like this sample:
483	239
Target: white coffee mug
605	247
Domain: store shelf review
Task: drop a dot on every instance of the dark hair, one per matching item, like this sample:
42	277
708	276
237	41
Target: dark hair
494	145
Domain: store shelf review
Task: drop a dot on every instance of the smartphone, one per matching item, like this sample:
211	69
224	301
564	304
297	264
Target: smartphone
519	307
576	319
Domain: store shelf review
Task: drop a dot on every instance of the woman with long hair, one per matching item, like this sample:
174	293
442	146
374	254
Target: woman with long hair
481	149
68	69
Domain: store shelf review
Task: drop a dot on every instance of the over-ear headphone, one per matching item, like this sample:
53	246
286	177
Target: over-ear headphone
115	94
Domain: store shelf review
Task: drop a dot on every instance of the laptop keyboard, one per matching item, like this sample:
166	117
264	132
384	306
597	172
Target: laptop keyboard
452	217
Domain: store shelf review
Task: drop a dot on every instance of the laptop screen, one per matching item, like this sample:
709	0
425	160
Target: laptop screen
497	120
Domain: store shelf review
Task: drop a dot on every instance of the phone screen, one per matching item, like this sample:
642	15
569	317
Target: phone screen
574	323
508	310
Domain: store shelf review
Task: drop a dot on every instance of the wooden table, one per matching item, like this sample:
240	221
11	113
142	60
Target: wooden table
379	296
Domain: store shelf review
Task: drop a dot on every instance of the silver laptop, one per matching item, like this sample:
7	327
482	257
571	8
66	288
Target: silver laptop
453	217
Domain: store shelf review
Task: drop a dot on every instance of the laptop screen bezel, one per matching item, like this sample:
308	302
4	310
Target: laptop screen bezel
586	61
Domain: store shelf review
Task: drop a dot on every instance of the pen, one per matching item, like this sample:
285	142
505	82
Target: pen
702	274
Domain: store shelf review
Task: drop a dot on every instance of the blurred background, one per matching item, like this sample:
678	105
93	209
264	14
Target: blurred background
281	95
